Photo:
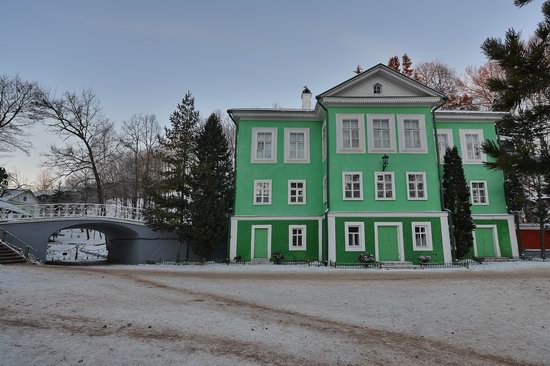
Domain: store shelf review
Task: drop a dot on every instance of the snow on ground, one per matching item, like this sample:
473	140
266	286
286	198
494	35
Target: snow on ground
73	245
264	314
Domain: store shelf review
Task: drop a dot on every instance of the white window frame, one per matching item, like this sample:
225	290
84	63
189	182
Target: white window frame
425	198
340	136
360	198
370	133
325	189
304	238
486	193
253	238
324	139
304	190
429	240
376	174
449	133
423	149
290	160
465	159
380	90
255	131
361	246
270	192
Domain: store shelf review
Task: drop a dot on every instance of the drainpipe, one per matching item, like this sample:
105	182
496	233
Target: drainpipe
328	170
229	111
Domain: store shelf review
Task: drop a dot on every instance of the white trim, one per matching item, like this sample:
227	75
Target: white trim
255	131
254	227
389	214
463	149
361	247
376	198
324	140
360	198
429	239
376	100
303	181
474	116
233	238
325	189
400	248
446	239
339	136
252	217
254	203
305	131
304	238
513	237
449	133
370	133
425	198
491	216
472	193
401	134
320	238
496	244
331	230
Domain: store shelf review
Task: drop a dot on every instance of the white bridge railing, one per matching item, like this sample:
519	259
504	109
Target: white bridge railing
71	210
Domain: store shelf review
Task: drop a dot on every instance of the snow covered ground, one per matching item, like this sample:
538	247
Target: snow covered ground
491	314
73	245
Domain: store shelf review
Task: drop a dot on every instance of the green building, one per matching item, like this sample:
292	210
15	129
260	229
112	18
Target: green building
360	172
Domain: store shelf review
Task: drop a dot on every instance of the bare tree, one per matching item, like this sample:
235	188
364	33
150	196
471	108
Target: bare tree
438	76
17	111
90	141
44	181
474	84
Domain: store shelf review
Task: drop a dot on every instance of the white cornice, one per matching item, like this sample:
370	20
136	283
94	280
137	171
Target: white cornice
469	116
381	100
277	114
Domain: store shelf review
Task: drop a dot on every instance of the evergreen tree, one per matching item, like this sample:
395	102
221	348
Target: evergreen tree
212	187
393	63
3	181
172	193
407	66
456	197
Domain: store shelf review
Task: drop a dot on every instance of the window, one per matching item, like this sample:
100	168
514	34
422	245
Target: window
416	186
470	141
324	141
350	133
264	145
422	236
478	191
381	133
352	184
296	145
325	194
377	88
412	133
262	192
297	237
384	186
444	142
296	192
354	232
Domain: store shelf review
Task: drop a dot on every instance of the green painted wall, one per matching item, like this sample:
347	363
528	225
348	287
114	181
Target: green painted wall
411	255
503	233
399	163
279	238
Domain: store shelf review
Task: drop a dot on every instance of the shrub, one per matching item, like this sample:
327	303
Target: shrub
424	259
366	257
277	257
238	258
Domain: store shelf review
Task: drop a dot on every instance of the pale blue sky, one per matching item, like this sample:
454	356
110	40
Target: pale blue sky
142	56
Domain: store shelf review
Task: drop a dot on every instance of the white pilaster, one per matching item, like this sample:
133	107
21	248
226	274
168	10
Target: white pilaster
320	238
331	225
513	236
233	238
446	238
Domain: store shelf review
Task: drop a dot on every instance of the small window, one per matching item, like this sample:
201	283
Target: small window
470	141
381	133
296	145
296	192
444	142
416	186
354	232
384	186
325	194
422	235
377	88
412	133
262	192
352	184
478	190
264	145
350	133
297	237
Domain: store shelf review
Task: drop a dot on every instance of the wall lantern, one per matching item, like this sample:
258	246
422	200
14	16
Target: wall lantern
385	160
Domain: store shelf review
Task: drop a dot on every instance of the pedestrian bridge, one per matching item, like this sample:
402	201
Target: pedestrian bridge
129	240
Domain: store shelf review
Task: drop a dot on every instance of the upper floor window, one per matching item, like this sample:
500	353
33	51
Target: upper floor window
422	235
444	142
296	145
381	133
352	185
296	192
377	88
264	145
297	237
478	191
470	141
262	192
416	186
412	133
384	186
350	133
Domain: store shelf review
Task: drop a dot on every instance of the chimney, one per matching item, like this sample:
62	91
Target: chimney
306	98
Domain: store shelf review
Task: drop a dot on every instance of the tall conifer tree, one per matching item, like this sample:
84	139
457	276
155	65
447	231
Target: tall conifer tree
457	201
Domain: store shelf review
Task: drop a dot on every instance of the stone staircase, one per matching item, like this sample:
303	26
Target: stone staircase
10	256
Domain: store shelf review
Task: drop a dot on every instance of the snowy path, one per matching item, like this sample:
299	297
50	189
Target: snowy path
143	315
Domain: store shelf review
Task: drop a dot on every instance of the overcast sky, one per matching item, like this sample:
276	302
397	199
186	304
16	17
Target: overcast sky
142	56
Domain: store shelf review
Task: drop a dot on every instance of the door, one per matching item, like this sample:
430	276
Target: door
485	242
260	242
388	243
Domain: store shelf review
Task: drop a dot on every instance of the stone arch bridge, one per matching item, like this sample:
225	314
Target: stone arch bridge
129	240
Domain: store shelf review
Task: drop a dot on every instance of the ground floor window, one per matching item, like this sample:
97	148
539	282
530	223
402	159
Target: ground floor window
297	237
479	192
262	192
384	186
355	239
296	192
422	235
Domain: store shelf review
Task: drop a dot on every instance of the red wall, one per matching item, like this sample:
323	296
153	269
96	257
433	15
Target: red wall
530	239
